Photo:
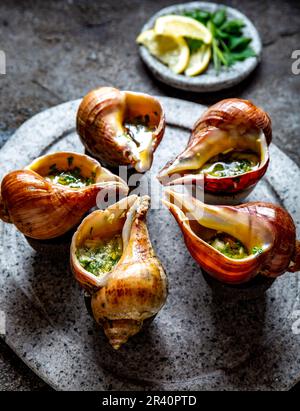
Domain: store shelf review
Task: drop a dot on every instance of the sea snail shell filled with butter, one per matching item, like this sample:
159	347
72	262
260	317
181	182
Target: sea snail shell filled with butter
234	244
227	153
113	260
51	195
121	128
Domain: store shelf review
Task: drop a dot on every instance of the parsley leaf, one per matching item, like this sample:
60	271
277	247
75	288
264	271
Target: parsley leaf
229	45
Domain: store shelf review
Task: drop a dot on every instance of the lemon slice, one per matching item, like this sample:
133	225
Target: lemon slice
181	26
172	51
199	61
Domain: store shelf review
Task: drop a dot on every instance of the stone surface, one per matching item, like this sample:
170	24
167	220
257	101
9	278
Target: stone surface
81	44
238	343
208	81
15	375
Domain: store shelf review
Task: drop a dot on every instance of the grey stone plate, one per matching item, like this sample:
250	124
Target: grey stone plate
208	81
196	341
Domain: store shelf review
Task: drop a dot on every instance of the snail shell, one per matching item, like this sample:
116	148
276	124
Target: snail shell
100	125
43	210
136	288
254	224
232	124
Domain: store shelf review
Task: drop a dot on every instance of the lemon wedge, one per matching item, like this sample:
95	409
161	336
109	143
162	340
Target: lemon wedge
199	61
172	51
181	26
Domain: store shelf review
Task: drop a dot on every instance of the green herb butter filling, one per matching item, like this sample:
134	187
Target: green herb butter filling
71	178
231	247
231	164
100	256
138	136
138	129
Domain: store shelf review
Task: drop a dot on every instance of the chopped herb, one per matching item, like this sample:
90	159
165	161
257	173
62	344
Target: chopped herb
229	246
257	250
231	164
89	181
99	257
71	178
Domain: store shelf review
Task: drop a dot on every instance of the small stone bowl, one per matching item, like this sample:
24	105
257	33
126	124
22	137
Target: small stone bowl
210	80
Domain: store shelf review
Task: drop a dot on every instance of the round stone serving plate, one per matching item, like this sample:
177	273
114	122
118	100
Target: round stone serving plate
197	341
209	80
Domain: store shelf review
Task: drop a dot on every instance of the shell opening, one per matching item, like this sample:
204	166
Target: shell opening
103	237
221	154
121	127
68	169
74	171
136	288
139	122
231	232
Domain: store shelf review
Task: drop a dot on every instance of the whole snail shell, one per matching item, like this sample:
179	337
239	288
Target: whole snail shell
256	225
43	210
101	126
231	125
136	288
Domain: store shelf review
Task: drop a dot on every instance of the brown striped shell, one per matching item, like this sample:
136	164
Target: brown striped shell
230	124
253	224
100	123
136	288
43	210
234	113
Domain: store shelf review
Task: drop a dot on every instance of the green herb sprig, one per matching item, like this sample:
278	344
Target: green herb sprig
229	45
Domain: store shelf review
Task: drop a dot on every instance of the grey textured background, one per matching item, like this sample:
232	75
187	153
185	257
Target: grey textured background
58	50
